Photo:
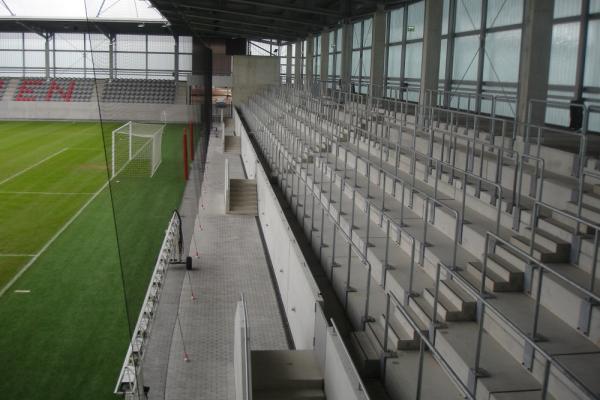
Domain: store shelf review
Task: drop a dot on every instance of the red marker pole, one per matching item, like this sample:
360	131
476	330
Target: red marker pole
185	155
192	141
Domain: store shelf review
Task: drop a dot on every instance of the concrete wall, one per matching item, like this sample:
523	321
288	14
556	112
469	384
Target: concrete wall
250	73
15	110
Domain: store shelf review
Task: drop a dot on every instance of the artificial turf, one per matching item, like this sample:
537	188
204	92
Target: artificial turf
66	338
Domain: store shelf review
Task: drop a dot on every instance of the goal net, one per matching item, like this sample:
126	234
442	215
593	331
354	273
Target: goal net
136	149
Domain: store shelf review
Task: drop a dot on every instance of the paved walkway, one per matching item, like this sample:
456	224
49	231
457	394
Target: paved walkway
228	259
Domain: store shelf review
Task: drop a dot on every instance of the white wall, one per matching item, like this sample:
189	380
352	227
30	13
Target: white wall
42	110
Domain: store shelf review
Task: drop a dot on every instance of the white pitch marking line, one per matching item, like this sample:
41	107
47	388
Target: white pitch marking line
50	193
33	166
22	291
17	255
49	242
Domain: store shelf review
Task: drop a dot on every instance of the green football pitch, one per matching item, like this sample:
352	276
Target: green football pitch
75	255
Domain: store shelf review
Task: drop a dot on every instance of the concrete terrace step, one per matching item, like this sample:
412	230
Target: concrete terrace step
298	394
285	370
366	355
540	252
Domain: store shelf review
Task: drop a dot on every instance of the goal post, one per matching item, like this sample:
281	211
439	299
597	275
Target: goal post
136	149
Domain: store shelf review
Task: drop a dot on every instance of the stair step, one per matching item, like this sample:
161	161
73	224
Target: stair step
298	394
398	338
456	294
493	282
551	242
587	211
422	310
557	228
539	252
592	199
446	310
365	354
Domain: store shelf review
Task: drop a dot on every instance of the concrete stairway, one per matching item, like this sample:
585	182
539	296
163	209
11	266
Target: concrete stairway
243	199
283	374
341	179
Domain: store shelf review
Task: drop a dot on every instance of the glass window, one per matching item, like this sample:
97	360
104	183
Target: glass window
355	63
161	61
367	32
34	41
356	34
566	8
465	58
131	43
394	61
396	25
445	17
595	6
185	62
11	41
185	44
413	60
164	44
504	12
131	61
69	59
97	42
366	64
592	59
35	59
468	15
415	20
563	59
443	50
501	61
68	41
11	59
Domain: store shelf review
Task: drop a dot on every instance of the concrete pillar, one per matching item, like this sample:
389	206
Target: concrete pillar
324	55
378	52
346	73
536	46
288	64
298	63
309	59
432	39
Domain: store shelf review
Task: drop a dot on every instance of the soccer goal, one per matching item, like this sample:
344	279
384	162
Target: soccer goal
136	149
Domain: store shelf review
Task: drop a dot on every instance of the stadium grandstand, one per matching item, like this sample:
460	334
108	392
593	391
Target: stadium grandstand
294	199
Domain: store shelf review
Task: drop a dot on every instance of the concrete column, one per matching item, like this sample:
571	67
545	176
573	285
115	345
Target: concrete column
324	55
346	73
288	63
309	59
432	39
298	63
536	46
378	52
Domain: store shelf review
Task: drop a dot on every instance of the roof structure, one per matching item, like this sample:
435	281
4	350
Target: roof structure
285	20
